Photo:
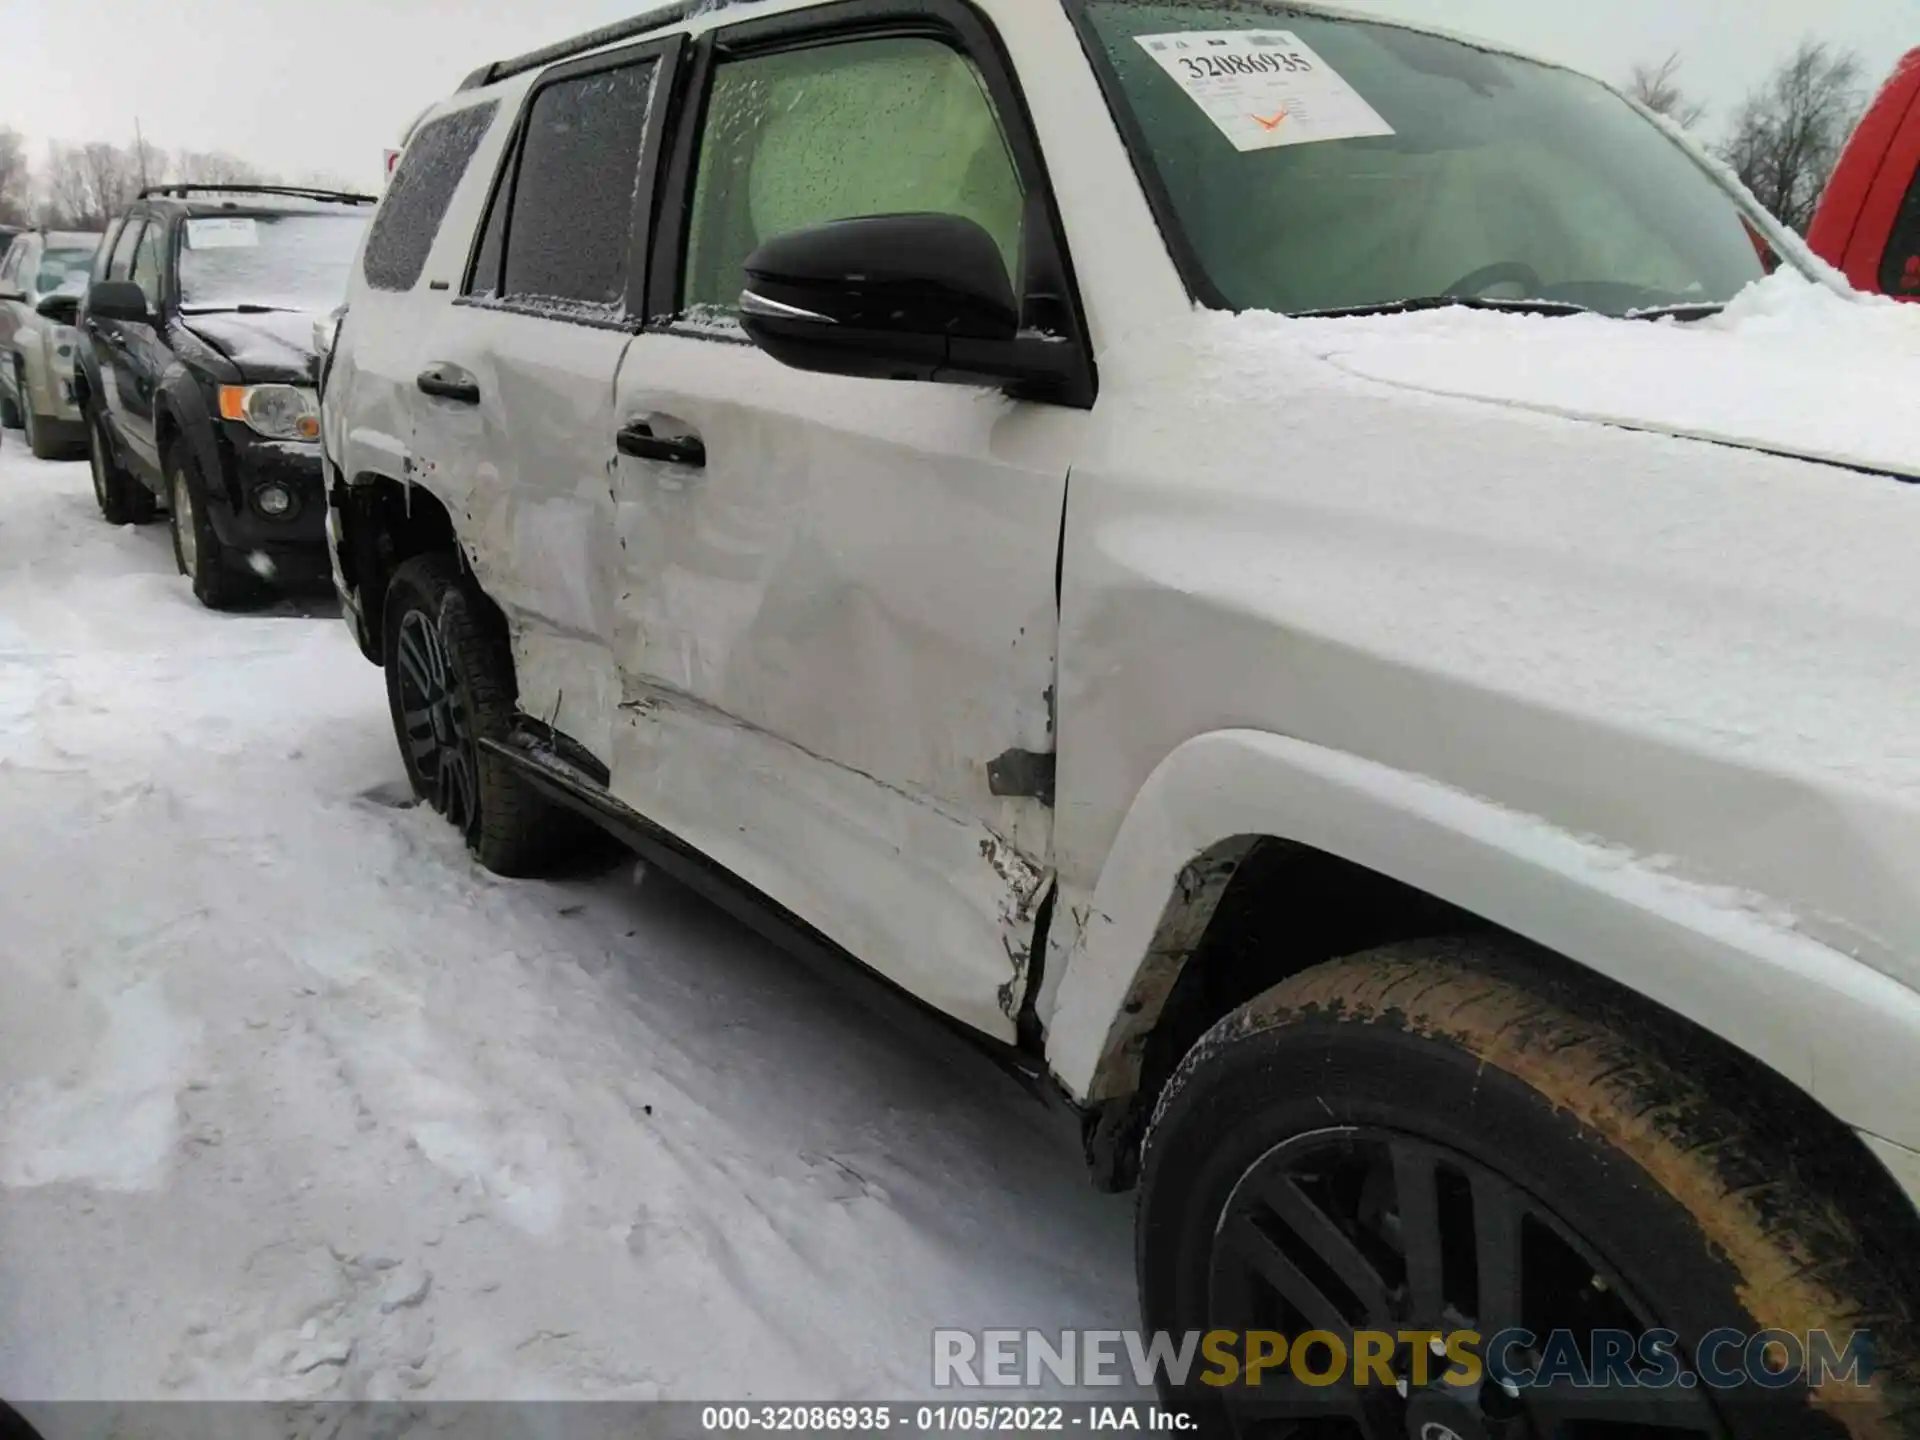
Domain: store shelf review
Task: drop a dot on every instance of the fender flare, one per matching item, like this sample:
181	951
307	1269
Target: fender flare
187	406
1840	1030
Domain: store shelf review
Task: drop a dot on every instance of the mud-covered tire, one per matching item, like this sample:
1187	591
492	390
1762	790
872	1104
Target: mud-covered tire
511	828
11	416
1707	1195
123	500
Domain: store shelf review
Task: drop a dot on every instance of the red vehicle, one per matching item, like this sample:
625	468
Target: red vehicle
1868	223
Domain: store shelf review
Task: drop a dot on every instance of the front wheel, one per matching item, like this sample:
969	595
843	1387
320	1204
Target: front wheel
1448	1137
197	550
450	685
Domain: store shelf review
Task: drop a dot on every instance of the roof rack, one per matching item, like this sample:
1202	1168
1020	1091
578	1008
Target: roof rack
298	192
648	20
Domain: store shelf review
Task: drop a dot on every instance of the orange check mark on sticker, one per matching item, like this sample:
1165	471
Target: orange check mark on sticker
1270	125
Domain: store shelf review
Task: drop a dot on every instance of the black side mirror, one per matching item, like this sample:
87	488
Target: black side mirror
896	297
62	309
119	300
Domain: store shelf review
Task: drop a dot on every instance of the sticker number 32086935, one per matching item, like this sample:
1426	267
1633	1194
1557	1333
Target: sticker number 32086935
1264	88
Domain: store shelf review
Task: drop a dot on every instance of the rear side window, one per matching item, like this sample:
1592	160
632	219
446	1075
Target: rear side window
122	266
1900	266
417	199
568	233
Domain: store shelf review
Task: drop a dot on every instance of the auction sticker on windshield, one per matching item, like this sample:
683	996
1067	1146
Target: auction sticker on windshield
225	232
1264	88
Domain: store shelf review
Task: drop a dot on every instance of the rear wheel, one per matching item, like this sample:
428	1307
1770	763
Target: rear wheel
123	500
1447	1137
449	686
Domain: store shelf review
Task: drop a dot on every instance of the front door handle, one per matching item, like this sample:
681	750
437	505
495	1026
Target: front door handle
449	382
639	442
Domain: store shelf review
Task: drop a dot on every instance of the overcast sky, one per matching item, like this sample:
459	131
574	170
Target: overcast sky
326	87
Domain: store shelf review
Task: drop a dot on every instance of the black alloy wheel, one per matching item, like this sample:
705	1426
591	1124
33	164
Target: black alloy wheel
1360	1229
450	685
441	755
1460	1137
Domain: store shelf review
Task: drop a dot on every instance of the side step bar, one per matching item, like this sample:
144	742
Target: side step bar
539	757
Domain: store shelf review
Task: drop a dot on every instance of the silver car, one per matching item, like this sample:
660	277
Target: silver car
42	278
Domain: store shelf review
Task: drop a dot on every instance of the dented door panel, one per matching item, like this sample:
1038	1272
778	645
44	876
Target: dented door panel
525	474
828	634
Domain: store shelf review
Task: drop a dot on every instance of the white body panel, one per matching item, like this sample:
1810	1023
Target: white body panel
1663	645
1648	701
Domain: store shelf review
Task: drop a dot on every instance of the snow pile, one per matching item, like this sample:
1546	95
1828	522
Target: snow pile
295	1102
1791	366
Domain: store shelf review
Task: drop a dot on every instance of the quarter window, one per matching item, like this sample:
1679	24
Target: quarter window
122	266
147	263
835	132
104	255
417	198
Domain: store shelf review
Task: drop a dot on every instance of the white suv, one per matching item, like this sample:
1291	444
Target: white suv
1227	548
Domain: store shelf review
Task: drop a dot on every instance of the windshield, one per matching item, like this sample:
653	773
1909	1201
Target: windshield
275	262
63	270
1313	164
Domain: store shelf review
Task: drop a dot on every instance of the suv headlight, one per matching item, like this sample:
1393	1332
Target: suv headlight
279	412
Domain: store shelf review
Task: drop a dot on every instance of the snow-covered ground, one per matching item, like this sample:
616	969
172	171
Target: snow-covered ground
295	1101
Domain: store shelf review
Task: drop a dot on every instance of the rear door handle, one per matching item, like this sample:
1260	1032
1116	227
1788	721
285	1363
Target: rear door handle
449	382
640	443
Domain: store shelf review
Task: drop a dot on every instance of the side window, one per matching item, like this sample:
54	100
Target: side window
121	267
417	198
10	262
569	233
104	254
1900	266
148	262
834	132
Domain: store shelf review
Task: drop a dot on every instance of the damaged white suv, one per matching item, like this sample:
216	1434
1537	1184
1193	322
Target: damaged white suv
1295	574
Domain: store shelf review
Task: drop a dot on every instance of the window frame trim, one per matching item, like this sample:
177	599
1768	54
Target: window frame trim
664	53
1048	261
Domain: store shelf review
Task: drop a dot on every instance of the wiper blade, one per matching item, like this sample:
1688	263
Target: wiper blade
1686	310
1441	302
247	309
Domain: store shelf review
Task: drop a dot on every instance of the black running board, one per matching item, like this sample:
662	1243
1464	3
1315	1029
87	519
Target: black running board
534	755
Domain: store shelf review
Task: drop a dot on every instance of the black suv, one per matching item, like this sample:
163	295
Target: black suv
196	375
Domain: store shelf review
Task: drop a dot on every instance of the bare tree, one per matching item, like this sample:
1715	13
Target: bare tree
197	167
16	179
85	186
1787	135
1657	87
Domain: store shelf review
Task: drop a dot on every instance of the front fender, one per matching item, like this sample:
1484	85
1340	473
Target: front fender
193	424
1842	1031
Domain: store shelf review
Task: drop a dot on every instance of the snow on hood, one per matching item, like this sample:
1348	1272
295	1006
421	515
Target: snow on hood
1790	367
274	346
